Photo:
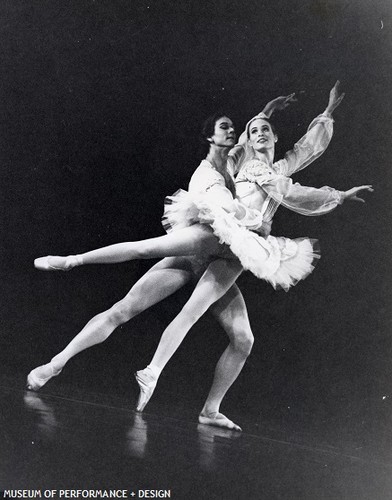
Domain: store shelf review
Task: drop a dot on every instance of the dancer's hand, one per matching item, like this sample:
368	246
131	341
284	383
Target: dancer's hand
279	104
334	98
351	194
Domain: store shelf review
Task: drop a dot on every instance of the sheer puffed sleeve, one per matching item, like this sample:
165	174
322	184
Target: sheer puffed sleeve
309	147
304	200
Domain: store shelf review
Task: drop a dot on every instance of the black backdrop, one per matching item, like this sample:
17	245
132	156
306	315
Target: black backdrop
101	103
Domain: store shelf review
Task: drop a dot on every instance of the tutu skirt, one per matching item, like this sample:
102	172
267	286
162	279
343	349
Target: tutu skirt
280	261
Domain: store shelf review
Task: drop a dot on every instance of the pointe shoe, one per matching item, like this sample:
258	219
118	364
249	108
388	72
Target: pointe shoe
217	419
65	264
147	386
34	383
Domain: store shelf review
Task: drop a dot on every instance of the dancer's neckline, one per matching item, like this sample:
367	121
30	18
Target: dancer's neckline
210	164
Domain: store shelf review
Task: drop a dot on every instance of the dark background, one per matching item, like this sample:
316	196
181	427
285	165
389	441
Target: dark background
101	104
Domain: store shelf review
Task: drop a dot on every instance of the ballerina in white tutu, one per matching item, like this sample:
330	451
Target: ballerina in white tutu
264	185
208	212
223	271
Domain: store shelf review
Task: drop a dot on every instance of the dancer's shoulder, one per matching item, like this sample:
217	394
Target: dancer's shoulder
204	177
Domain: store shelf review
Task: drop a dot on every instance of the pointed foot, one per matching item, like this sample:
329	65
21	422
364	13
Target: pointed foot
54	263
147	385
38	377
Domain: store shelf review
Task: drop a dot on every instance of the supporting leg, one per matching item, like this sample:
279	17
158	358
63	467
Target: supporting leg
231	313
216	280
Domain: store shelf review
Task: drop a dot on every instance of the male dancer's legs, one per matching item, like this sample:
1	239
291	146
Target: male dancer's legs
214	284
231	313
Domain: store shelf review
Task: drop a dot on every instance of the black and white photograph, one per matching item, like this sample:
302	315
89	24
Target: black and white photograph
196	246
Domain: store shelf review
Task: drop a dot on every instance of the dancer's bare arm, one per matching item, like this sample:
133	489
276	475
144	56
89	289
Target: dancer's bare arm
278	104
237	153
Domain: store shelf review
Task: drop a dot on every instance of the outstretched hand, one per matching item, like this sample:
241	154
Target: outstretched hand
334	98
352	193
278	104
283	101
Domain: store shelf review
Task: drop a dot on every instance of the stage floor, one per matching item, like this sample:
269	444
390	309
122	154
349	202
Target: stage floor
67	439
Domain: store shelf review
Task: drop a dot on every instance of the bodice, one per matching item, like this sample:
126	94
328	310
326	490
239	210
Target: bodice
256	171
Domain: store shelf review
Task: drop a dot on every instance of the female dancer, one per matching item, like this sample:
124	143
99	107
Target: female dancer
264	185
254	159
159	282
38	376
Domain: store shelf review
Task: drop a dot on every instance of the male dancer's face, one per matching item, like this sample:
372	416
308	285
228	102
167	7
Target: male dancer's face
224	134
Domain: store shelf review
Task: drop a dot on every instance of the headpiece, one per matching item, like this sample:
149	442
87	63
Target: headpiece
243	139
244	136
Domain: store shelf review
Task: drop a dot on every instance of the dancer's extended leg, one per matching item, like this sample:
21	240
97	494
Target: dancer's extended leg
231	313
159	282
193	240
216	280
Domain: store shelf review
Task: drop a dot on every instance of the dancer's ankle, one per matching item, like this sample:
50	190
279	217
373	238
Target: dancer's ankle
72	261
209	409
64	263
153	370
57	364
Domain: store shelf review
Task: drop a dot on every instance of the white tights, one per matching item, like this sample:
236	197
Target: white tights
193	240
159	282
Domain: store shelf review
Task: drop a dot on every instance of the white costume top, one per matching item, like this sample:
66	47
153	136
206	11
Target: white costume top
206	177
280	261
265	187
260	190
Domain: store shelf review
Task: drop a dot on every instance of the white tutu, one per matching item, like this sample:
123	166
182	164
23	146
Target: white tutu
280	261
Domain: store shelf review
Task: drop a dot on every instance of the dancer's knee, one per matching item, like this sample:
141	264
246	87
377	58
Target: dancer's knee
242	341
122	312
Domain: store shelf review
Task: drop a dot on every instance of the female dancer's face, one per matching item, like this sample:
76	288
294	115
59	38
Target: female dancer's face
224	134
261	136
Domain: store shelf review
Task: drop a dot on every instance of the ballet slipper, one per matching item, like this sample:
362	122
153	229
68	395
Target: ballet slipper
147	386
210	432
54	263
34	382
217	419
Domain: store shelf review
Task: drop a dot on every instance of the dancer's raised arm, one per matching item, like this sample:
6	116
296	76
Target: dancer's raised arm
261	171
237	154
271	180
316	140
278	104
